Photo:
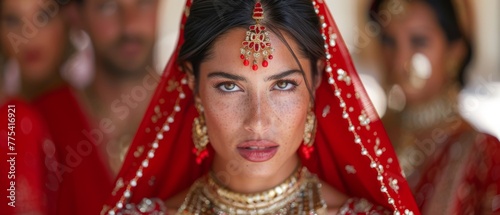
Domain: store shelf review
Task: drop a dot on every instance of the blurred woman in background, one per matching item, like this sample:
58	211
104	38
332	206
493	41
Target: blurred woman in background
450	166
34	44
35	41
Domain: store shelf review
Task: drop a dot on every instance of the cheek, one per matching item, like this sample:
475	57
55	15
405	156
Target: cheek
290	116
54	39
148	25
437	57
104	31
6	47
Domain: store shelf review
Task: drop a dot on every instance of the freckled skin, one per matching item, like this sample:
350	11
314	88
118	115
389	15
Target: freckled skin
257	110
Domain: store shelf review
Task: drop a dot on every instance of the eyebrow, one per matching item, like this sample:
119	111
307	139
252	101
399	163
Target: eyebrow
282	75
241	78
226	75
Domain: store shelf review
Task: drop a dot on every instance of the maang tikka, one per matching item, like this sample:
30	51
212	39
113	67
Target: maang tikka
257	43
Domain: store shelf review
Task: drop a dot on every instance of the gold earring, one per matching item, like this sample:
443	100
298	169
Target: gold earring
309	134
200	136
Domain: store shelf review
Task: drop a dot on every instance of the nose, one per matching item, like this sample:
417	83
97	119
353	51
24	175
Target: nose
258	115
129	20
401	62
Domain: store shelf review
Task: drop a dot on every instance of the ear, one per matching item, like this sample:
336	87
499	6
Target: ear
320	65
188	68
457	51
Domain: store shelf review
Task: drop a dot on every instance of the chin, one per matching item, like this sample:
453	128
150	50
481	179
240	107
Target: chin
259	170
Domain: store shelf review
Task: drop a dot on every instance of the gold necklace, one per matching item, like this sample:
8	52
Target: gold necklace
299	194
431	114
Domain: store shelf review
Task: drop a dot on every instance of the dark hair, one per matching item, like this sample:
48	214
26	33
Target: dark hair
448	21
209	19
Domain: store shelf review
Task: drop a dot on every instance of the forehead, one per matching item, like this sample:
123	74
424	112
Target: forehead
225	54
117	1
20	5
416	15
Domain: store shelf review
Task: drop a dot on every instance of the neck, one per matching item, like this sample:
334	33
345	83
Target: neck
122	103
248	179
121	100
429	114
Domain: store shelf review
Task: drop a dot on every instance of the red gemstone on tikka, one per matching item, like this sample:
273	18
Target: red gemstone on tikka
251	45
270	57
258	4
257	47
246	62
265	63
255	67
242	57
252	27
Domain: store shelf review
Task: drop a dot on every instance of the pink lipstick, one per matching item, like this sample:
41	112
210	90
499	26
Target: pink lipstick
257	150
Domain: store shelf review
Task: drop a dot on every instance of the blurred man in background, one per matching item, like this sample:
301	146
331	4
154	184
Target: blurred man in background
92	128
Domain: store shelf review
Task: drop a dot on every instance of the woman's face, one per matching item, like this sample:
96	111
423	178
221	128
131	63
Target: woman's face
254	118
416	51
34	33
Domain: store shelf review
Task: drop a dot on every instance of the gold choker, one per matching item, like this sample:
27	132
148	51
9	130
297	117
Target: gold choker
299	194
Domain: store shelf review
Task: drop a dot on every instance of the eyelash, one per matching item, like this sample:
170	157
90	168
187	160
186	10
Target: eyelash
220	86
287	81
294	84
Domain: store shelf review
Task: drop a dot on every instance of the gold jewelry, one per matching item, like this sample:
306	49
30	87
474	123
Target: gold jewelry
431	114
299	194
200	136
257	43
309	134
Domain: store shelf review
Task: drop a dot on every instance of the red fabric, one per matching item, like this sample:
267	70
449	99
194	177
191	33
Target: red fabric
337	159
26	167
475	185
84	179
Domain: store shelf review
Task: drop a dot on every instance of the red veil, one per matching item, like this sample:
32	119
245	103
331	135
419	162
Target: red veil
351	152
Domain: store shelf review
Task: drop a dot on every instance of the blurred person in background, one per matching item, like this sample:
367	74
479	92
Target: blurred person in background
92	127
35	41
34	44
451	167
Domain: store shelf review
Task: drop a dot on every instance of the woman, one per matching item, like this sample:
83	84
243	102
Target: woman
450	166
278	117
34	36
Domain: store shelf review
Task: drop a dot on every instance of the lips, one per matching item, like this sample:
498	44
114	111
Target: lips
257	151
130	49
32	55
